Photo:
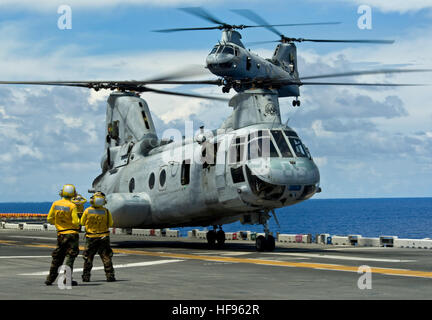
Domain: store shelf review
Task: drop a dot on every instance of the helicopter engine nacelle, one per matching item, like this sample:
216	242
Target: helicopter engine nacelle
128	119
285	55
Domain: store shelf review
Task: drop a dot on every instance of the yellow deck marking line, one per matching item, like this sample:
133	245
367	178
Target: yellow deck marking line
308	265
10	242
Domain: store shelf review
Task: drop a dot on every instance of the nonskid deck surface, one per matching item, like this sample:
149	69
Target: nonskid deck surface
149	268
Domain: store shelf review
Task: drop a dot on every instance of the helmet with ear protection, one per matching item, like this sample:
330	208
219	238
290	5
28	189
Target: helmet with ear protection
68	191
98	200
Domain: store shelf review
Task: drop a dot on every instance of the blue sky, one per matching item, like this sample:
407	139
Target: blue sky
367	142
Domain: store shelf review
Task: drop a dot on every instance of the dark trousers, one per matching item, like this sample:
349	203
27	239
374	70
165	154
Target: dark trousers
100	245
67	247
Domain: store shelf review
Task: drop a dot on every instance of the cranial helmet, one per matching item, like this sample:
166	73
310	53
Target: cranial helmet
98	200
68	191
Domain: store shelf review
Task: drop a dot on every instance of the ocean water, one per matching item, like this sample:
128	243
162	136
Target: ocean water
402	217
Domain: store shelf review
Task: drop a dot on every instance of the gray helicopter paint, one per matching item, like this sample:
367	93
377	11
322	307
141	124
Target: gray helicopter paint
244	64
211	197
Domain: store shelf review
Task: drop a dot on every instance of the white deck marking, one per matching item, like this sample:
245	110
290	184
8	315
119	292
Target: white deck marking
324	256
119	266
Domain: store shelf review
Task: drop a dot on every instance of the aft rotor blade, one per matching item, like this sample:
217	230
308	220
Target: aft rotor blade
248	14
358	73
203	14
363	84
341	41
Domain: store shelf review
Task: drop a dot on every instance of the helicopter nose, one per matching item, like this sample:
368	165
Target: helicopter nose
275	179
220	65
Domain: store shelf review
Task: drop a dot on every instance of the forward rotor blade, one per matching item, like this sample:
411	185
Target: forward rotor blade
186	29
358	73
248	14
187	71
203	14
185	94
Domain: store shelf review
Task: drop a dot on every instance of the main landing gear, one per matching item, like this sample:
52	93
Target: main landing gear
296	103
216	238
266	242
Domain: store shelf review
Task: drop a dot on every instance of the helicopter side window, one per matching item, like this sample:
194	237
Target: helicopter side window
261	146
298	147
282	144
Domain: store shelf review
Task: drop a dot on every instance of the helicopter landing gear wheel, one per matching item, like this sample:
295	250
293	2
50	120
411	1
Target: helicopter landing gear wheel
263	244
296	103
220	238
211	238
226	89
267	242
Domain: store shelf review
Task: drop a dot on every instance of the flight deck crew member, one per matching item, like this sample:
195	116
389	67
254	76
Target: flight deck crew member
64	215
79	201
97	221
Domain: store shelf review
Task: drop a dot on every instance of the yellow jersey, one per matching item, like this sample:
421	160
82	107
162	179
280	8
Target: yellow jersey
64	215
97	222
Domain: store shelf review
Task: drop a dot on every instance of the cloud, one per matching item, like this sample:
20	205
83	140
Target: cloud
52	5
401	6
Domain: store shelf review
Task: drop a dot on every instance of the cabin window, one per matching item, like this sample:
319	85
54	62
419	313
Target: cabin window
282	144
151	180
131	185
185	172
162	178
237	150
237	175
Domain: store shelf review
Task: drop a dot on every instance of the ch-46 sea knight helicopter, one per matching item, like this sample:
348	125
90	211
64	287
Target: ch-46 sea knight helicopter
242	171
240	69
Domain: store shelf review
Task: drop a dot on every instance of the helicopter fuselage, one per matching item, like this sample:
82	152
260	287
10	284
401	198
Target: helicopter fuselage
237	65
238	175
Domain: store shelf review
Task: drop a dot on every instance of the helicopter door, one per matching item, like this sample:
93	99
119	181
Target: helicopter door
248	63
209	153
220	169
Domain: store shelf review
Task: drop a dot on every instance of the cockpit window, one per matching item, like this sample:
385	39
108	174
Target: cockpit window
228	50
214	49
282	144
298	147
261	146
290	133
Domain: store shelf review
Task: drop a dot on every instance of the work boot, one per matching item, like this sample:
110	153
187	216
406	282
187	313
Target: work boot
86	278
48	282
111	279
